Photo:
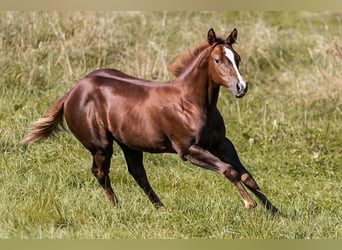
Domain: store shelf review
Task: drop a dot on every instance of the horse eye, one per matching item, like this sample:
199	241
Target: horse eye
217	61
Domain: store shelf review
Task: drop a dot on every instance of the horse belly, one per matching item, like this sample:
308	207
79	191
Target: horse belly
139	132
143	140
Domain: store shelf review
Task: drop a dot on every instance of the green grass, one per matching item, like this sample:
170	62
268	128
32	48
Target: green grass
287	129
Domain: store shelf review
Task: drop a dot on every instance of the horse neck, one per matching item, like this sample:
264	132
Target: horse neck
195	80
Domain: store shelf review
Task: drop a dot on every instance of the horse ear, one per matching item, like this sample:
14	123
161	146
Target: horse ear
232	37
211	37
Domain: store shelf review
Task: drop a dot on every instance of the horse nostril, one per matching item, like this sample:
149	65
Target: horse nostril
238	87
241	90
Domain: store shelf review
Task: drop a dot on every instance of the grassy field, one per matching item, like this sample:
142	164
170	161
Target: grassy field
287	129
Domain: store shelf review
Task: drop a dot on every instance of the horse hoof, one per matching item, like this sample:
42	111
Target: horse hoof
161	209
280	217
249	204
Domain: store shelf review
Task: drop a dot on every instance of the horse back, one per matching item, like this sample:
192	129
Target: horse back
110	105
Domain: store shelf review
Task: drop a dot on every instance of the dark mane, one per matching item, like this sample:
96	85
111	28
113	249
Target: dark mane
183	61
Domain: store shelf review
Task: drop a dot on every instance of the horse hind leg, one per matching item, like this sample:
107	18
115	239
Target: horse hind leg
100	169
136	168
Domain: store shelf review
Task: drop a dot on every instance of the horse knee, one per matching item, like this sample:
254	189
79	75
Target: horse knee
230	173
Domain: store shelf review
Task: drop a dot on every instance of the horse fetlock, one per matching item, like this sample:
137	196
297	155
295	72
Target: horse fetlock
248	180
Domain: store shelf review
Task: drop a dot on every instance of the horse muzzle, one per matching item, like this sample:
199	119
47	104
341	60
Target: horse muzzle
241	90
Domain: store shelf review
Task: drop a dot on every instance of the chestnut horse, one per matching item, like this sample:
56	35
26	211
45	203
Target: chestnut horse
179	116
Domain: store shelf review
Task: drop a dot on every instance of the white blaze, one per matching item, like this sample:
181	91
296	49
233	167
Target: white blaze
230	55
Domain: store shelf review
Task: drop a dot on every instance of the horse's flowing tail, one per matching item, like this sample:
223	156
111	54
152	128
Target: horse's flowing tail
47	125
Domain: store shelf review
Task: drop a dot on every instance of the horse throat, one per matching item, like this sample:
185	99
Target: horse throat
198	84
213	93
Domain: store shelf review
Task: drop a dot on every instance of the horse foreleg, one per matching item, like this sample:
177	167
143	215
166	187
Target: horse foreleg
226	152
136	168
100	169
200	157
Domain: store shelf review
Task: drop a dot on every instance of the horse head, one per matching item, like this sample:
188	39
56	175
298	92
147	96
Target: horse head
224	64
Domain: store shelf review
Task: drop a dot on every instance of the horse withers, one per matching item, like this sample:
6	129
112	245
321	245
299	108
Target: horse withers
179	116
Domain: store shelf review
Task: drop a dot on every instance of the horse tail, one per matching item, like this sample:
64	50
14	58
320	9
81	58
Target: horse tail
49	124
